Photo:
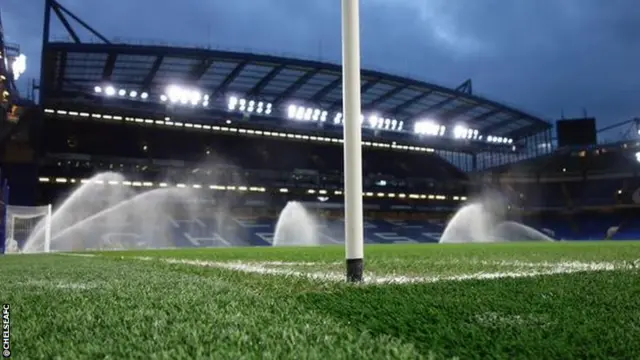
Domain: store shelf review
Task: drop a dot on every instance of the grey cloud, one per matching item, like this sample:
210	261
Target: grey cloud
538	55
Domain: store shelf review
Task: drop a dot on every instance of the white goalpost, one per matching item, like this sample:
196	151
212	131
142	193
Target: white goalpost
23	222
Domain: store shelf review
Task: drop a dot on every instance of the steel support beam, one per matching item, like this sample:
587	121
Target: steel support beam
295	86
148	80
108	66
260	85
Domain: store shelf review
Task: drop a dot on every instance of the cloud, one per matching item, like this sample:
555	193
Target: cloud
539	55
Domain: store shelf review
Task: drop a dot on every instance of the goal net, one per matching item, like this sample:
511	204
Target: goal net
28	222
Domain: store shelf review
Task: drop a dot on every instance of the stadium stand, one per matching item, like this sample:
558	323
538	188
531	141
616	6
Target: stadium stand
594	189
267	130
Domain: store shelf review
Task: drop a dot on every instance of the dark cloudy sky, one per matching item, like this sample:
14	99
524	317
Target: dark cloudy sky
542	56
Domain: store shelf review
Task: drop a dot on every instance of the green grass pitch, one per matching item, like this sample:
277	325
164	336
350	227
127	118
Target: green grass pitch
491	301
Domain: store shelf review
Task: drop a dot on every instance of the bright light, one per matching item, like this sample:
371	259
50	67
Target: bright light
233	101
372	120
244	105
499	140
428	127
184	96
19	66
296	112
638	156
110	90
460	132
194	98
378	122
173	93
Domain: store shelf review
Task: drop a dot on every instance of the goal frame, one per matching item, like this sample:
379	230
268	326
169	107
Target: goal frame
10	224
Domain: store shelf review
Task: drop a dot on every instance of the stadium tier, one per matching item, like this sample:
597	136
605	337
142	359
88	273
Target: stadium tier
211	119
261	130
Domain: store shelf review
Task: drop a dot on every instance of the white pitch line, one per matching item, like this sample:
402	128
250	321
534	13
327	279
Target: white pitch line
261	268
74	254
602	265
294	263
254	268
271	268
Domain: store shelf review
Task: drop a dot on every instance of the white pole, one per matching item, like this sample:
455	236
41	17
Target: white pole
354	227
47	230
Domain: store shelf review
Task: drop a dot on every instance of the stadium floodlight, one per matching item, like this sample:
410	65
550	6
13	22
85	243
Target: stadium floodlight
122	92
173	94
428	127
460	132
231	104
133	93
303	113
319	115
337	119
110	91
19	66
351	88
144	95
246	105
97	89
372	120
391	124
499	140
638	156
378	122
184	96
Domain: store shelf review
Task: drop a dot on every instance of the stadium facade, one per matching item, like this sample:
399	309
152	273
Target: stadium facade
259	130
204	91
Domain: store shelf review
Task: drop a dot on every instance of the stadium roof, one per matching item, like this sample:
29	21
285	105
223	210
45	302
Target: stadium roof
72	69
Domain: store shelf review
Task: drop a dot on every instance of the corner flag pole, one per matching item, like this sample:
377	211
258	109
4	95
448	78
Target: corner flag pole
351	108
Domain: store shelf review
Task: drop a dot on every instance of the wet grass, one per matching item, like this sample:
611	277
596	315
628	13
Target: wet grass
114	306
